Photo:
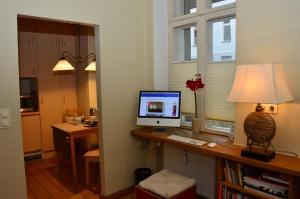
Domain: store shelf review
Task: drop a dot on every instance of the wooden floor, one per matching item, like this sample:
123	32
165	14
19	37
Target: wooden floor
49	179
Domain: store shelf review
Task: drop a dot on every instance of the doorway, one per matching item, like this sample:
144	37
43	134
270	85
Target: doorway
58	100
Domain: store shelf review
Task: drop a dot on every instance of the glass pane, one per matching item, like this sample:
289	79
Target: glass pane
226	127
184	7
185	43
219	79
222	40
217	3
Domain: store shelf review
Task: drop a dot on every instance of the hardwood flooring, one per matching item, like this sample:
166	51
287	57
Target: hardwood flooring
49	179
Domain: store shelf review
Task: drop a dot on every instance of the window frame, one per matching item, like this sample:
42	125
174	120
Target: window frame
171	30
201	18
227	13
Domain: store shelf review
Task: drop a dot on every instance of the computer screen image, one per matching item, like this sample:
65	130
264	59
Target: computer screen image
159	108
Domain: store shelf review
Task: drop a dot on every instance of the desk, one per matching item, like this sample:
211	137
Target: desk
281	163
73	132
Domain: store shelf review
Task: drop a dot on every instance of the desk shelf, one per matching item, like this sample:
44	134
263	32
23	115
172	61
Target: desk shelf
283	165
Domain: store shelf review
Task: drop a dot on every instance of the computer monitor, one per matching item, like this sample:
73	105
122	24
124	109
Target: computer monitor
159	108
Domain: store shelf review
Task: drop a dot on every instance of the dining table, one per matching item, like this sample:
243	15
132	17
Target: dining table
73	132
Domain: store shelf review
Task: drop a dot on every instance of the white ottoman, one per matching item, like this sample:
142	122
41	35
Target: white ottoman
166	184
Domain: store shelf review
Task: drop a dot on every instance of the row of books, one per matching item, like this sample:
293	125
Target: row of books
268	184
233	172
226	193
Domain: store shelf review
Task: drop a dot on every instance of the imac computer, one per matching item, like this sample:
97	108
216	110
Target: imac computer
159	108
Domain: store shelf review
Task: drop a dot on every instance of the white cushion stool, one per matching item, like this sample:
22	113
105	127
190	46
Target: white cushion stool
166	184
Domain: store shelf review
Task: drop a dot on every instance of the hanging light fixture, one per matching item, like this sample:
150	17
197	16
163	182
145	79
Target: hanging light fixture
64	64
91	66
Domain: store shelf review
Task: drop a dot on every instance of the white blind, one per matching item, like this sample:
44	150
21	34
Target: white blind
218	82
179	73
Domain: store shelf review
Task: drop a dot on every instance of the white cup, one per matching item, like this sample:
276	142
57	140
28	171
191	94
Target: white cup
77	121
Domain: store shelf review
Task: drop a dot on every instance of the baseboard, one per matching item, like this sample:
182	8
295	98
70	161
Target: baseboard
49	154
120	193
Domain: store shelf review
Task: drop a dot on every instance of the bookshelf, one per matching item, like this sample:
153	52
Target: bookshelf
239	180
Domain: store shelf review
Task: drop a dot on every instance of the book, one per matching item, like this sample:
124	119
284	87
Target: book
262	193
275	179
240	174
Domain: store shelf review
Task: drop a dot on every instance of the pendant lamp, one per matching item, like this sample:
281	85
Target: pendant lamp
63	65
91	66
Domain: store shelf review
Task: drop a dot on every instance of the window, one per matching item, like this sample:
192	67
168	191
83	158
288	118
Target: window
222	40
184	7
227	31
216	38
178	74
185	43
218	113
218	3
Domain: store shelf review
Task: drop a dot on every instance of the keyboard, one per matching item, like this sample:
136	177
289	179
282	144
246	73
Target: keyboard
187	140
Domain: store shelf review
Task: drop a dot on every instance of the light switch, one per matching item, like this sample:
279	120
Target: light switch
5	120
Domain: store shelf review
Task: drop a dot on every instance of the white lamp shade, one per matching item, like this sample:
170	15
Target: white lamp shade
91	66
63	65
260	83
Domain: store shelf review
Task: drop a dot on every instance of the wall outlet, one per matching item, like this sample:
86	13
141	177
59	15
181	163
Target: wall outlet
268	108
5	120
184	157
271	108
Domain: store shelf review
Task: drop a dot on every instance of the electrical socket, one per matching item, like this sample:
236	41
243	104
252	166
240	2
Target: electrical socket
184	157
271	108
268	108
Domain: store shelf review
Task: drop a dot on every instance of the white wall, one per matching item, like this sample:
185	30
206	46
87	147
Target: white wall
268	32
160	48
126	66
198	166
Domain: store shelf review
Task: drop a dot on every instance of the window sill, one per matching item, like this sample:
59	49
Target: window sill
183	62
220	62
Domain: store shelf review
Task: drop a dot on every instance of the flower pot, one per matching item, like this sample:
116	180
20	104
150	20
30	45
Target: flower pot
196	125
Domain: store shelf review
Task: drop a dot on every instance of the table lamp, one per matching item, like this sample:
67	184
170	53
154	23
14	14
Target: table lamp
259	83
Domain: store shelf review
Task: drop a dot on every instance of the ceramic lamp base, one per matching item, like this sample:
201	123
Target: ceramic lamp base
196	125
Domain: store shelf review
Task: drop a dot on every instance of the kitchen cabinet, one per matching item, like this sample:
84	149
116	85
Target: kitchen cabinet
57	90
41	44
67	37
49	102
31	133
27	48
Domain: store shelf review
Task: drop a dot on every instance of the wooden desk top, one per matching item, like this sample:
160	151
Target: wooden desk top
280	163
72	129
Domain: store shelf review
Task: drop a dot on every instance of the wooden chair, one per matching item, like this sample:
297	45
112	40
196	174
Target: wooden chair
89	157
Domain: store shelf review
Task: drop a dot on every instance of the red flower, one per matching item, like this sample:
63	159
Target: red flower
195	84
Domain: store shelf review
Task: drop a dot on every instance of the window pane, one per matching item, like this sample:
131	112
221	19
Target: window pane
215	125
218	82
179	73
184	7
185	43
217	3
222	40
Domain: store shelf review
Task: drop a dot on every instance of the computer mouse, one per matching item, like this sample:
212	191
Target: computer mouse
212	144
